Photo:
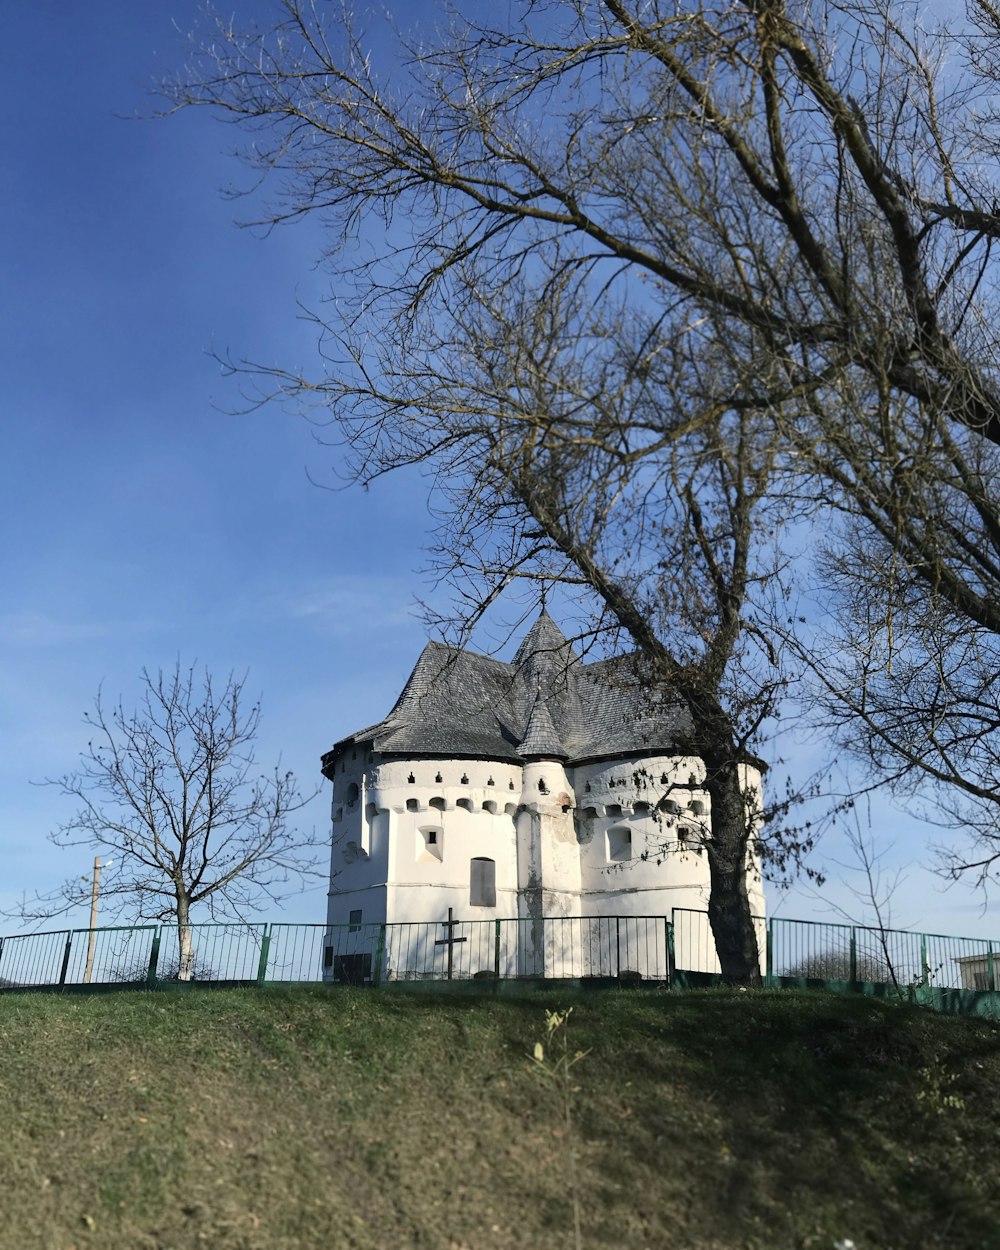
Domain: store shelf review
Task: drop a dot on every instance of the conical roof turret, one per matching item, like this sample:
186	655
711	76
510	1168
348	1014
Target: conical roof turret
541	741
544	647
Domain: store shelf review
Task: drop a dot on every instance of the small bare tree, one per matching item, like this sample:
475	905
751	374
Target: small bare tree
171	793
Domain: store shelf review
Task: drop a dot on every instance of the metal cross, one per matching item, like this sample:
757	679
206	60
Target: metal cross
450	941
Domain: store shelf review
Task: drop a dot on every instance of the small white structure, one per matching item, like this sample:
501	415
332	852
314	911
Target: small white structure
978	972
542	791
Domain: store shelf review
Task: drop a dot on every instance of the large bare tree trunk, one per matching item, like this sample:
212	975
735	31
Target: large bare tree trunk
185	944
729	910
732	923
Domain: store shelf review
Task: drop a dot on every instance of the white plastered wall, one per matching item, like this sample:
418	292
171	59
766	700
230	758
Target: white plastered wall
598	840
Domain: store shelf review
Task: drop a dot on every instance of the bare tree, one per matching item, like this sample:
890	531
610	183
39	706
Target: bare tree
912	687
607	250
587	420
171	792
873	885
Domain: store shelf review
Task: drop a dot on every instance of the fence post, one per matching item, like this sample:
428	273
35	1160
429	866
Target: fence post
154	959
673	943
496	949
265	946
769	953
1	949
65	961
990	970
671	951
379	953
854	956
925	967
618	947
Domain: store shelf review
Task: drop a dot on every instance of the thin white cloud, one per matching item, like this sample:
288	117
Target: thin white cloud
37	629
351	605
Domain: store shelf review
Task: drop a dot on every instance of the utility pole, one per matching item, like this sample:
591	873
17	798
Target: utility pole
95	891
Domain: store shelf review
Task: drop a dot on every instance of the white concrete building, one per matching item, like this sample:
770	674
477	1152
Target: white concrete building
542	791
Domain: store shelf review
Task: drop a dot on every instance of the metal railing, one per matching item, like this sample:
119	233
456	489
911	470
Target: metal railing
816	950
116	955
650	949
564	947
694	945
551	947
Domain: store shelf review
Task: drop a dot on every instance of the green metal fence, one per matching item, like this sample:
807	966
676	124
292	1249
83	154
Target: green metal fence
650	949
554	947
105	956
694	945
840	952
559	948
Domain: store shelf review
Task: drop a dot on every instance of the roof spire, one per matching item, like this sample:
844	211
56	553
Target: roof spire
545	645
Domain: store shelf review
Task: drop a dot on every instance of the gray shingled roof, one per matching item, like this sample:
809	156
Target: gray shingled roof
541	741
545	703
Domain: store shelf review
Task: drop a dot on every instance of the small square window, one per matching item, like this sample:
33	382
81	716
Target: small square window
354	921
429	845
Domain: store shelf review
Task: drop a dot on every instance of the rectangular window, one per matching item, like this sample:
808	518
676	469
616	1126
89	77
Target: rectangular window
619	844
483	883
355	921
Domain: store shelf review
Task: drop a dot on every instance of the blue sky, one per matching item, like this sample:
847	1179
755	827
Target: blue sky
143	520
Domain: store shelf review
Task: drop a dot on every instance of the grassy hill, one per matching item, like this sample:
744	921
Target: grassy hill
352	1120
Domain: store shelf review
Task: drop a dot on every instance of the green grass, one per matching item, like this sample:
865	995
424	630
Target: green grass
356	1120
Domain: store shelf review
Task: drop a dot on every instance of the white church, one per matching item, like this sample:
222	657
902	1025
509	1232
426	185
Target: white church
545	806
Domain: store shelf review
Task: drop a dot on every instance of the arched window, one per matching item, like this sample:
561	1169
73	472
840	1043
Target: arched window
352	794
438	803
482	882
